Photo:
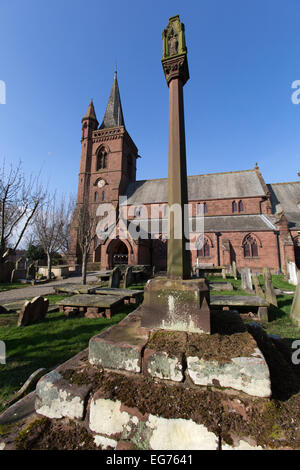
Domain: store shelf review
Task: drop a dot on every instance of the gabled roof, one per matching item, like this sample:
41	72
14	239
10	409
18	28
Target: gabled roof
113	116
235	184
287	195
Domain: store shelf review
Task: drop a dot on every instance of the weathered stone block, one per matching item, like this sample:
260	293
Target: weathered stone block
180	305
248	374
120	347
162	365
56	398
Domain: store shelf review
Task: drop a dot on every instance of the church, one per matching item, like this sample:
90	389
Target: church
246	220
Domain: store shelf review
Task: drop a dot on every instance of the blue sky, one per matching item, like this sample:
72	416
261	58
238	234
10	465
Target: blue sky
243	57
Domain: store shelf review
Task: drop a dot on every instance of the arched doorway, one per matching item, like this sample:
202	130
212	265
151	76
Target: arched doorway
297	251
117	253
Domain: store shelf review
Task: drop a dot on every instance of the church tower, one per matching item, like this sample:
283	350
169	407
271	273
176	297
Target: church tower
108	162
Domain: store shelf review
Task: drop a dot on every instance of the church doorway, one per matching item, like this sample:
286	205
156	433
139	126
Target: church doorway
119	253
297	251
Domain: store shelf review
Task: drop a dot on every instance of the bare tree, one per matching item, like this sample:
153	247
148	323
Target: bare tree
69	206
51	225
86	220
20	197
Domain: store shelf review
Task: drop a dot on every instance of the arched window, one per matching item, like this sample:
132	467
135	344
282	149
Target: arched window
204	251
137	212
241	206
250	247
234	206
96	197
101	159
204	208
103	196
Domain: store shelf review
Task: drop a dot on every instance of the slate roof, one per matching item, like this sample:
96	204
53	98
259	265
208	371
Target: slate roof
235	184
113	116
287	195
226	223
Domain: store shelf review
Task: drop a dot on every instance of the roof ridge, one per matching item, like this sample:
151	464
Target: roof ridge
286	182
223	172
202	174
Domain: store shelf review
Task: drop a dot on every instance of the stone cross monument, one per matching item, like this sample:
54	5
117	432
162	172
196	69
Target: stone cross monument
176	302
175	66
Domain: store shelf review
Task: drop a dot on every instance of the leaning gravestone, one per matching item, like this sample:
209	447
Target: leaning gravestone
258	289
270	295
31	270
246	279
115	278
20	263
33	311
234	272
128	277
295	310
292	273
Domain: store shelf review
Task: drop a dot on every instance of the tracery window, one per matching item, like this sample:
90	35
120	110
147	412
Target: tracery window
250	247
204	251
101	159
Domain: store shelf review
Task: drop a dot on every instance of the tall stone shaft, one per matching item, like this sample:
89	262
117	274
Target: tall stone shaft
175	66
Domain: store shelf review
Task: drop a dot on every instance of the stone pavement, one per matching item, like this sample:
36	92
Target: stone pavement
37	290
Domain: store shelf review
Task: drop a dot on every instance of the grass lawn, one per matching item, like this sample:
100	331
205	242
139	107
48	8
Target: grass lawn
8	286
46	344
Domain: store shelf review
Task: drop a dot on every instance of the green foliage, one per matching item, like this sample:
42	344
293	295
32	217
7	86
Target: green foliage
35	253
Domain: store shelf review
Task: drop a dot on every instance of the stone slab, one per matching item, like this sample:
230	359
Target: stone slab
126	293
238	301
120	347
90	300
220	286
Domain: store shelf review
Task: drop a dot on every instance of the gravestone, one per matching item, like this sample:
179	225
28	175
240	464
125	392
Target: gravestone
31	270
258	289
292	270
270	295
246	279
115	278
33	311
20	263
234	272
17	274
6	269
295	310
128	277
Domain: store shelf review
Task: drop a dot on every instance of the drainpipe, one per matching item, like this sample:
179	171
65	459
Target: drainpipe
278	251
218	234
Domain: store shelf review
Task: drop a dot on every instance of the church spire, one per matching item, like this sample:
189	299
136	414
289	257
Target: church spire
90	114
113	116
